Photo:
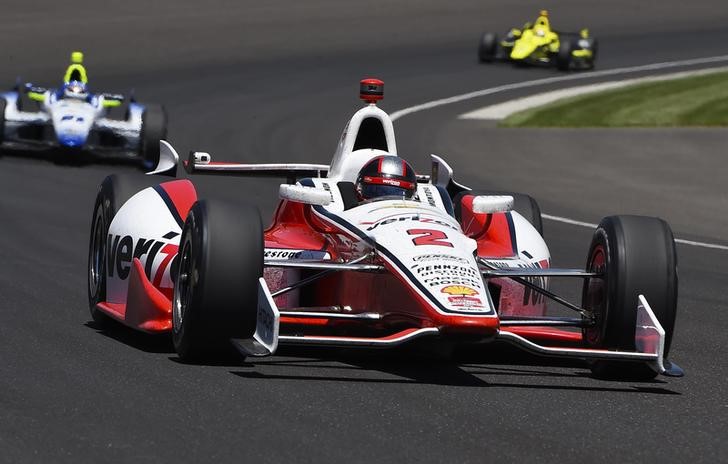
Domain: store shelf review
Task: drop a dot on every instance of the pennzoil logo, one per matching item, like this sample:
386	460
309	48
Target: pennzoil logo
459	290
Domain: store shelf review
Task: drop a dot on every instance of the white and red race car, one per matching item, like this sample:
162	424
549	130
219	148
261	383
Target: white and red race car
452	265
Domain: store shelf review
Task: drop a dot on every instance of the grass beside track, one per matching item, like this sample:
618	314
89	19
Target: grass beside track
691	101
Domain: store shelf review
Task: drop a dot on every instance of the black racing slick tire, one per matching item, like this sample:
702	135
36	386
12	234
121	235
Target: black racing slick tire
487	47
113	192
563	56
216	288
595	51
637	256
3	104
154	129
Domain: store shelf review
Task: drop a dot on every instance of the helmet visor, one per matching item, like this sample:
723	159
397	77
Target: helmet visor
369	191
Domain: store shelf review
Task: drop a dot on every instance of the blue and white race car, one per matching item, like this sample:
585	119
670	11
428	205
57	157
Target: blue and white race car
74	120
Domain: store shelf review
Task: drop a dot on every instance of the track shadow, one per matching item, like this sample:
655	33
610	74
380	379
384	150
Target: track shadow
69	158
479	367
139	340
403	367
162	344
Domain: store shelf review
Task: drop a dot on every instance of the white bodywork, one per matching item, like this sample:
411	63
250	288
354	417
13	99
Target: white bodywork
142	228
70	122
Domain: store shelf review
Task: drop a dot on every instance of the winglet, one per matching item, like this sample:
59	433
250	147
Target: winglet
265	339
168	161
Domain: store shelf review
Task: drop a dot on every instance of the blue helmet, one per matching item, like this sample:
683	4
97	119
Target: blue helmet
75	89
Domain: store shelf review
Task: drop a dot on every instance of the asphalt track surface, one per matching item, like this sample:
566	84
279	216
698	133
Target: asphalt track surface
277	80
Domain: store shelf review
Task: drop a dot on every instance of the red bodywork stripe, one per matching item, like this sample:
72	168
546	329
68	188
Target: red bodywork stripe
183	195
547	334
146	308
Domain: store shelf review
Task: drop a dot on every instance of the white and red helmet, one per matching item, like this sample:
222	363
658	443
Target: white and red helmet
386	176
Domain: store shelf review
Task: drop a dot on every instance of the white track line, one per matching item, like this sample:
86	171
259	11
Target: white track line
551	80
593	226
507	108
574	77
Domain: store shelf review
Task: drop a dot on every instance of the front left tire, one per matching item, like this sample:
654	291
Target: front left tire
636	256
216	287
114	191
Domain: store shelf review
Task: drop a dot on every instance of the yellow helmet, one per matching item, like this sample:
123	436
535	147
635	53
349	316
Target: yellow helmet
76	57
544	13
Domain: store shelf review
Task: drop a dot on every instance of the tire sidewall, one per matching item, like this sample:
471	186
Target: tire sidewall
226	260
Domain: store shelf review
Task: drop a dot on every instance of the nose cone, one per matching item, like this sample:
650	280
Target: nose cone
71	140
521	50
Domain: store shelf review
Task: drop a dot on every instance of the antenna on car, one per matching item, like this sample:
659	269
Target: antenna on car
371	90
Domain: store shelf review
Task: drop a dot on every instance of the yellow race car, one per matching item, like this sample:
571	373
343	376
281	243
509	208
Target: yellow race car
537	44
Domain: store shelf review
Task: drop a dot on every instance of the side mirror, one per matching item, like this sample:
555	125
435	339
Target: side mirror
306	195
168	161
488	204
442	176
441	171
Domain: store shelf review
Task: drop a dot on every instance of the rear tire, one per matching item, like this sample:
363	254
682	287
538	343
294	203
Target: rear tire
3	104
488	47
594	50
563	57
113	193
154	129
25	103
216	289
637	256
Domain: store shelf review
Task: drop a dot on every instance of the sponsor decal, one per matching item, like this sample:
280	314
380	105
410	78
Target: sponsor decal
465	302
445	270
462	296
121	250
430	197
287	253
530	296
460	290
436	257
384	180
327	187
451	280
407	217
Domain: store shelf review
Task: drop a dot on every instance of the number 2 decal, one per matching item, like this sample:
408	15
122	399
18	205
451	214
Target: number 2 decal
429	237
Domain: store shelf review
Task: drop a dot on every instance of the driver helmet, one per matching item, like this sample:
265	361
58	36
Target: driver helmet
386	176
543	20
75	89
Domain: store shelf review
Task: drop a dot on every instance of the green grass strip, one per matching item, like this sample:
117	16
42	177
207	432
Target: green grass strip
691	101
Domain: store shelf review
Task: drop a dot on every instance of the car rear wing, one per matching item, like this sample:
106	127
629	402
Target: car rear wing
201	163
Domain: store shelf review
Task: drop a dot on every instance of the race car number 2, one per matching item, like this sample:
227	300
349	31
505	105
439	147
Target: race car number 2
429	237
